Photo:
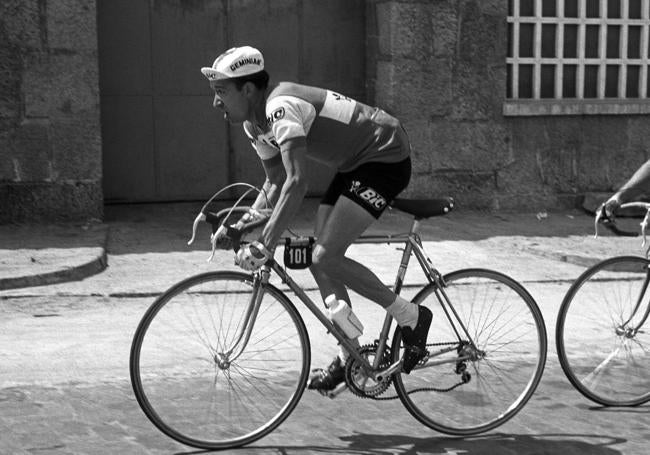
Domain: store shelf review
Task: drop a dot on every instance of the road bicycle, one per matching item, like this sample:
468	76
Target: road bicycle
602	340
222	358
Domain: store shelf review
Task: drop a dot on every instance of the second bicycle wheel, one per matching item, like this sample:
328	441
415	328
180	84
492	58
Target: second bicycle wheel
600	349
503	369
187	375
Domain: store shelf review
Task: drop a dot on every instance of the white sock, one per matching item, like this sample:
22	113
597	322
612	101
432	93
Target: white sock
404	312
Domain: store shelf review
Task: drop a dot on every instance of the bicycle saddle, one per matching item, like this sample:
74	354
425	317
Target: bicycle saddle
424	208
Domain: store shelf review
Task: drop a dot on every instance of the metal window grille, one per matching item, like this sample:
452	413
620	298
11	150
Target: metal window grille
578	57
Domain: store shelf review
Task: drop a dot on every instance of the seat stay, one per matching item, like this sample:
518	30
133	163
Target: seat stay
436	278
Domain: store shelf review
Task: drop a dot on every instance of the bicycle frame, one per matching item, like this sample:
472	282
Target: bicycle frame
630	332
412	246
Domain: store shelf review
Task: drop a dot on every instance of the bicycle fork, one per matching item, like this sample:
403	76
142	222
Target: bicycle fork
624	329
244	331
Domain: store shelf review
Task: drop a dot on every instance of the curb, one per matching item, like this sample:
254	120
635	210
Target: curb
75	273
69	273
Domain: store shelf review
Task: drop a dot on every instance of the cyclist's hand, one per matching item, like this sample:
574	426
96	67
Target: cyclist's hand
252	256
220	239
609	208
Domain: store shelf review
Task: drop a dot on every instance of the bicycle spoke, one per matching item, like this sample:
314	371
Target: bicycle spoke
186	378
506	355
604	359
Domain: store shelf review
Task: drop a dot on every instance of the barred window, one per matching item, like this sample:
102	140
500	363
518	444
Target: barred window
578	57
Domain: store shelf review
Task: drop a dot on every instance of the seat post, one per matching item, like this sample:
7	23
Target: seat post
415	226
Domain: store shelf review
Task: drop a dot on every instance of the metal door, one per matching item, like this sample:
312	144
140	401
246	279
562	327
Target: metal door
162	140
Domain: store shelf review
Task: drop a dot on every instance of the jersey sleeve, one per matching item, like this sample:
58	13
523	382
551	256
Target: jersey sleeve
263	150
290	117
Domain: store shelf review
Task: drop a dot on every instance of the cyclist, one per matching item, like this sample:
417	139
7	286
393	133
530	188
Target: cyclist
637	185
287	123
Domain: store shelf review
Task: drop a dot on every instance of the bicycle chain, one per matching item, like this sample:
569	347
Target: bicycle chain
360	393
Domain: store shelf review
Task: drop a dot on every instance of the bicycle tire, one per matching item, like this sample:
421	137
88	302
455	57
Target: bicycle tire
184	384
604	363
506	324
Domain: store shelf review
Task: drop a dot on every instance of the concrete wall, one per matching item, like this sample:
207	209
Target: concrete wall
439	65
50	142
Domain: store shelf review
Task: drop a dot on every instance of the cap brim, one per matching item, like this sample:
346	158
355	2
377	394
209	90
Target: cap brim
212	74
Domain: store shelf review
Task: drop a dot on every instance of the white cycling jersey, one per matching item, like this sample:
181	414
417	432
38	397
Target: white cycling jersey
340	131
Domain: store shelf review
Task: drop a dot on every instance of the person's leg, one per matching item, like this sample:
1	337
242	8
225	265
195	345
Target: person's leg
344	223
358	199
325	379
369	189
326	285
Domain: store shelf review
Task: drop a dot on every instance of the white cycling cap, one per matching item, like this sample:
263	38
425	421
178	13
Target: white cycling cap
235	62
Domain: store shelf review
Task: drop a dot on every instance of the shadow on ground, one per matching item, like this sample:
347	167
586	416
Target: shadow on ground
139	228
502	444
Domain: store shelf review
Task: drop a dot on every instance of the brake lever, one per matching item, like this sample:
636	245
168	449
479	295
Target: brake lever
213	240
599	216
644	225
200	217
596	222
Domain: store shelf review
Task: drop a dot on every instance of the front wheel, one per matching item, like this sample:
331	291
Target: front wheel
602	349
190	382
487	346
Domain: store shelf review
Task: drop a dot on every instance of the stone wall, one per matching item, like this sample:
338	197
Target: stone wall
439	65
50	141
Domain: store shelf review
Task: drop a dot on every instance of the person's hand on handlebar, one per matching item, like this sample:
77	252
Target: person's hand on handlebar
220	238
609	207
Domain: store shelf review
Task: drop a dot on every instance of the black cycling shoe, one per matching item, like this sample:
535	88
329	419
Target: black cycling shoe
415	340
328	379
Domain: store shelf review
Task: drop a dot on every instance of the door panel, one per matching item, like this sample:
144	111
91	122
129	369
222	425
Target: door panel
191	148
127	142
185	36
162	140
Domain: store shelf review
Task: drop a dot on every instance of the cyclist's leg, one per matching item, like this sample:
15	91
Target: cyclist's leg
362	200
357	198
344	223
329	378
326	285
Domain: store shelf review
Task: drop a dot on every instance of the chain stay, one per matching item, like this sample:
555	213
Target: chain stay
361	394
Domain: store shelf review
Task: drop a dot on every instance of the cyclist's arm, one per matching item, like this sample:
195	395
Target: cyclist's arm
294	188
638	184
274	170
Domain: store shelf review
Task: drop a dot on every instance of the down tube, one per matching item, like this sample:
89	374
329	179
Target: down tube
331	328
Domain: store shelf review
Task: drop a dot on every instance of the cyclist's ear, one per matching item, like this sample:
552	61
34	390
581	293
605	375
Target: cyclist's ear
249	89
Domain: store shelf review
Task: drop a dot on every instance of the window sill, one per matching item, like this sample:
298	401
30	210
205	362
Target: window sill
528	107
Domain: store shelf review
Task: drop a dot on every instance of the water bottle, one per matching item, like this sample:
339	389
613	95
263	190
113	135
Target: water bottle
343	318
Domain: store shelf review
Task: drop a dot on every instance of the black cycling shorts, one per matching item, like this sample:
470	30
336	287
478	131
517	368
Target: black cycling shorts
372	185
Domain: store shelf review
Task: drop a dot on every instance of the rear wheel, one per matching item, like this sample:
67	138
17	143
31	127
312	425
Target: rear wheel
600	349
481	385
190	384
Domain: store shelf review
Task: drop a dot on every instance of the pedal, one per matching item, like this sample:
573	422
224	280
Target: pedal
334	392
342	387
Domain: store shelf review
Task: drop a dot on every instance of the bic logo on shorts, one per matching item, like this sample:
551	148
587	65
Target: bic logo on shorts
368	195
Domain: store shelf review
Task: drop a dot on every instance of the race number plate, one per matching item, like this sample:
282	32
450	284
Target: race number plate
297	252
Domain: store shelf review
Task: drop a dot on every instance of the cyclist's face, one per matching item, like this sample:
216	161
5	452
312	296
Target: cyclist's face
231	101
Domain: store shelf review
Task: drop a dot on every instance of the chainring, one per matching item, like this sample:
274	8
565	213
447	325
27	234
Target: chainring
358	382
